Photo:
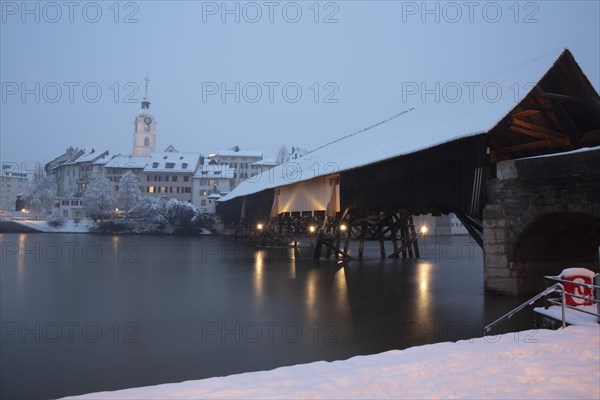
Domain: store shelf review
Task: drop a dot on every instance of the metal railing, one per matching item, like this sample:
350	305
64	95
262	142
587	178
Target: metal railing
591	298
557	287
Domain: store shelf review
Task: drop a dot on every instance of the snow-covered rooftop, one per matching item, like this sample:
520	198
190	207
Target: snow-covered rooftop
172	162
269	161
237	152
418	126
158	162
92	157
120	161
213	170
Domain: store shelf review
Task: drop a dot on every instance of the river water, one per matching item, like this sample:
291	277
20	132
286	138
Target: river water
84	313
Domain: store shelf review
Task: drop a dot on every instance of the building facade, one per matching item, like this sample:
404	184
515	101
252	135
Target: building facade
170	174
72	173
69	207
241	161
211	181
12	185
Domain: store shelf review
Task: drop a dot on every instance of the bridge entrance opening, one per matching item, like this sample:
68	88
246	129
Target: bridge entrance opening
556	241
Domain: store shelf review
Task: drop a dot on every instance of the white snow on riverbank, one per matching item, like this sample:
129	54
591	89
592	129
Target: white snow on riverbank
529	364
571	316
70	226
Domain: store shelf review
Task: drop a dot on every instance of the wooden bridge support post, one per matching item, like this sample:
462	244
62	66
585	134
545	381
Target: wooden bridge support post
382	247
403	240
361	248
414	237
395	245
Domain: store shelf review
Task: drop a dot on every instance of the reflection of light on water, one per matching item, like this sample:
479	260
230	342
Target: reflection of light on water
341	290
291	258
258	274
423	279
21	259
311	291
116	246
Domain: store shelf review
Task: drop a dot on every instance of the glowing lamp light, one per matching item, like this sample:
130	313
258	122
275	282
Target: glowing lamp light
116	209
343	227
259	227
311	229
423	230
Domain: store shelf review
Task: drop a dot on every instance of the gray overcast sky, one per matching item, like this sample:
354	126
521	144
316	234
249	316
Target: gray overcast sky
359	54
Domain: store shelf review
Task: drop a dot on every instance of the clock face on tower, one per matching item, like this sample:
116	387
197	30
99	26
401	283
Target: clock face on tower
147	120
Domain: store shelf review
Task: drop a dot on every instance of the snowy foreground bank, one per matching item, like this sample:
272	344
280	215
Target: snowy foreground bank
529	364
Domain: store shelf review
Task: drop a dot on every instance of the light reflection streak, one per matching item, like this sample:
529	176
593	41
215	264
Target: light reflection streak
341	290
258	274
424	295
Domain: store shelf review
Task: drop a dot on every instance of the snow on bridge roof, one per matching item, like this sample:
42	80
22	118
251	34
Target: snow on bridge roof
425	124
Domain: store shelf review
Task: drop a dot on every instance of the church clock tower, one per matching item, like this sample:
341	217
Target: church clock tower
144	135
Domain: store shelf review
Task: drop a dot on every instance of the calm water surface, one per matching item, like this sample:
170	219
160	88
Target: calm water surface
86	313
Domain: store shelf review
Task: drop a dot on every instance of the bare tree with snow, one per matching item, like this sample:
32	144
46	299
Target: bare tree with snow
282	155
98	198
129	191
41	192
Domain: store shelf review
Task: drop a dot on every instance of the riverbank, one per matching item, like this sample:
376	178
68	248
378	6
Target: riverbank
528	364
89	226
33	225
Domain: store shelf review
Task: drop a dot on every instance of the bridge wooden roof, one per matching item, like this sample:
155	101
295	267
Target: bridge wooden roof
560	113
446	144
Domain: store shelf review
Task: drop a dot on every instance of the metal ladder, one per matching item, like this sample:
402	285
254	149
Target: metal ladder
557	287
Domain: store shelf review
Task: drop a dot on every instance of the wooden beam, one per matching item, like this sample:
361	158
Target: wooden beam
538	131
524	113
528	132
590	137
535	127
525	146
559	97
539	107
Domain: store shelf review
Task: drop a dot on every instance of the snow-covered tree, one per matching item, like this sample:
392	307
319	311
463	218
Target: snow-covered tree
98	198
129	191
151	209
162	210
41	192
180	212
282	155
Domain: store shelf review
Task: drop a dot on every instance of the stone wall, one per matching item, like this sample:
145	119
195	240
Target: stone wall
543	214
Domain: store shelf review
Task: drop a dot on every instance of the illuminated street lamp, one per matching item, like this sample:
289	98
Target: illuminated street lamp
423	230
343	227
259	227
312	229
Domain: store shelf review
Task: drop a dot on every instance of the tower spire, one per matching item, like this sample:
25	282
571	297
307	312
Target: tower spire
146	101
147	80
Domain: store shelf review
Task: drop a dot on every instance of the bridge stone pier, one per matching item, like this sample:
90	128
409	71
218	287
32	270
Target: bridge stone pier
542	215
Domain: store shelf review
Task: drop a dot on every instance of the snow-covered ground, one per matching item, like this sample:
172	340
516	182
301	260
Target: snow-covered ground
70	226
571	316
529	364
83	226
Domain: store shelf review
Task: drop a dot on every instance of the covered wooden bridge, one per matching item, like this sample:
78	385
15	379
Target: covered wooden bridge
430	158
